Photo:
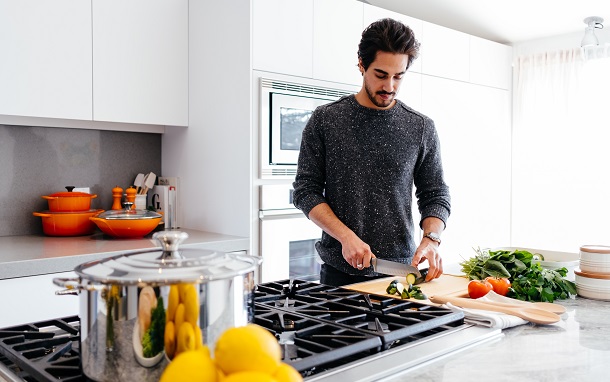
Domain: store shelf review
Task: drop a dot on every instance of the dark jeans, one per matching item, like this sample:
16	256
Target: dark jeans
334	277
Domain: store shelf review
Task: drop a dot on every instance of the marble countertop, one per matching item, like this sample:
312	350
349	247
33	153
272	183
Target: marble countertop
22	256
575	349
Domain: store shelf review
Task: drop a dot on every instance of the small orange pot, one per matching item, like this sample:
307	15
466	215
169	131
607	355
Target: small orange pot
67	223
69	201
127	223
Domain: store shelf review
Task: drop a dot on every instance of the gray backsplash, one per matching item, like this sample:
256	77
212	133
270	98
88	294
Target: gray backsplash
36	161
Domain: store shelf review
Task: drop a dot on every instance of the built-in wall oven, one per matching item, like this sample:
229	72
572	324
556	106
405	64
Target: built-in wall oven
285	110
287	237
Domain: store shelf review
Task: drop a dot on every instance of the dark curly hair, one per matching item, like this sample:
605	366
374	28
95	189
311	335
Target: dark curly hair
387	35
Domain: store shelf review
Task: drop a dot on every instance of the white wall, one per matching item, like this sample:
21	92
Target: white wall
212	155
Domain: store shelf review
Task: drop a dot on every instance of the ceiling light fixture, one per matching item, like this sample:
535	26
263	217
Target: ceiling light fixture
593	22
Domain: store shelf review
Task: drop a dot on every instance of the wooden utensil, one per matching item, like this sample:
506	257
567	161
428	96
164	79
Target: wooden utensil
531	314
139	182
548	306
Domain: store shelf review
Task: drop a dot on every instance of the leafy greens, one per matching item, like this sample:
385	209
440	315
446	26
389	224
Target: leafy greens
530	282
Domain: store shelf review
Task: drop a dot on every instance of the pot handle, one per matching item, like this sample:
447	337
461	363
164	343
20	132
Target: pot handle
41	214
72	286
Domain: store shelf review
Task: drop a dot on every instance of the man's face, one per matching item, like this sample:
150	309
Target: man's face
383	77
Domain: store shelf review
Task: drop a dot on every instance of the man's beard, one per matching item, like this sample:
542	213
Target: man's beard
379	103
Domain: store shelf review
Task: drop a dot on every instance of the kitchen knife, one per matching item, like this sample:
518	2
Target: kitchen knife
393	268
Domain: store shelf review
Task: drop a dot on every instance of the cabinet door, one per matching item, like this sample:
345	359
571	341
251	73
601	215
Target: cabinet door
45	69
445	52
33	299
282	36
490	63
474	130
336	34
140	61
372	13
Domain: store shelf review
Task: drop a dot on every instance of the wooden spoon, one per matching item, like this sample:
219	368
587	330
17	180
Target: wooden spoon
535	315
548	306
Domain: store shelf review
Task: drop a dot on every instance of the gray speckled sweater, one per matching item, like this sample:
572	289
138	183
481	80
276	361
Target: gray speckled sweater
364	162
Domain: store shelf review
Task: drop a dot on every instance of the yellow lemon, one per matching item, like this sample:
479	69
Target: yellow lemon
172	303
190	366
247	348
182	291
186	338
179	319
191	304
199	339
287	373
205	350
170	339
249	376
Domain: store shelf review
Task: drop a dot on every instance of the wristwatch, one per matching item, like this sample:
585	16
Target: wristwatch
433	236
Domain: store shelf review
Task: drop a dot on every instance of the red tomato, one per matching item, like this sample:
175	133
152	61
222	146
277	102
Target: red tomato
478	288
499	285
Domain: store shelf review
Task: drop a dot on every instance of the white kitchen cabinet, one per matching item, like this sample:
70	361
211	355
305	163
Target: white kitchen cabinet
45	69
490	63
282	36
473	123
140	61
336	34
373	13
31	299
445	52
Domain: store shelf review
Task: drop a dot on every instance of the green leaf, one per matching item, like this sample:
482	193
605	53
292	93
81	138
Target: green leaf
495	266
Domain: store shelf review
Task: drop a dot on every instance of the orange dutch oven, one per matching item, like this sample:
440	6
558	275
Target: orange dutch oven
67	223
69	201
127	223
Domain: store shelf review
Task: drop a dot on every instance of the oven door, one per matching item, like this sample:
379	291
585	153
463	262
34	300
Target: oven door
288	246
289	115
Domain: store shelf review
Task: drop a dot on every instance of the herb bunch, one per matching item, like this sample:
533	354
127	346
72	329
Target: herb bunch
530	282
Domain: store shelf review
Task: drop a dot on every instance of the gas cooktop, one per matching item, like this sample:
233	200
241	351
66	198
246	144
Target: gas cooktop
324	332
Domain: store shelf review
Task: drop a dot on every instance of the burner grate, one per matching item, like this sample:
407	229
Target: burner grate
43	351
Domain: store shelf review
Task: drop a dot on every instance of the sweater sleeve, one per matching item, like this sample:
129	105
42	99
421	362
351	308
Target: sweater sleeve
310	178
432	192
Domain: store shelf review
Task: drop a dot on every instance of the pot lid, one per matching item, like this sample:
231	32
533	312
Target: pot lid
168	264
129	214
71	194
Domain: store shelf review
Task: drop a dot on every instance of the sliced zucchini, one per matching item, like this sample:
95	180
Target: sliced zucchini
419	295
411	277
399	288
405	294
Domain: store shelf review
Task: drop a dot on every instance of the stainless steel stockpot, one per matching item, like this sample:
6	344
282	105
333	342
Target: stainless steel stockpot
125	299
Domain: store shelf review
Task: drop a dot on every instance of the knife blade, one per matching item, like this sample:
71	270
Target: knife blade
393	268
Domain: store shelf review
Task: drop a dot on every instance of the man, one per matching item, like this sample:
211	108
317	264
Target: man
361	156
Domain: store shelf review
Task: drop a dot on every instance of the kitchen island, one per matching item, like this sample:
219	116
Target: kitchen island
575	349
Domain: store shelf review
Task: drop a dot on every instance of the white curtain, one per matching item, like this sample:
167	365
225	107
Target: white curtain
561	150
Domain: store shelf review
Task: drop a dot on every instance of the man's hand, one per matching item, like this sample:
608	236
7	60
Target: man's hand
428	250
356	252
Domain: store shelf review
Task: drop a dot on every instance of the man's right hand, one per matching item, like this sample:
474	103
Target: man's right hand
356	252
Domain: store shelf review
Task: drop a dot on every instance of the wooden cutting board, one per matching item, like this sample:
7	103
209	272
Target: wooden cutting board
447	285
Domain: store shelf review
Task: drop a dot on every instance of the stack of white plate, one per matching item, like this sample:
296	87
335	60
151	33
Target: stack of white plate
593	277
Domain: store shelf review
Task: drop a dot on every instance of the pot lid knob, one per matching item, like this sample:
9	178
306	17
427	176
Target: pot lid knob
70	188
170	241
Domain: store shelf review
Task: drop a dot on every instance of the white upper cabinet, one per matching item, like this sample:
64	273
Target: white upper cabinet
336	34
445	52
45	69
282	36
373	13
140	61
490	63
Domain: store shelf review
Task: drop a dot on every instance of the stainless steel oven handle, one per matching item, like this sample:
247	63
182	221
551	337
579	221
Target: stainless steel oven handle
289	213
